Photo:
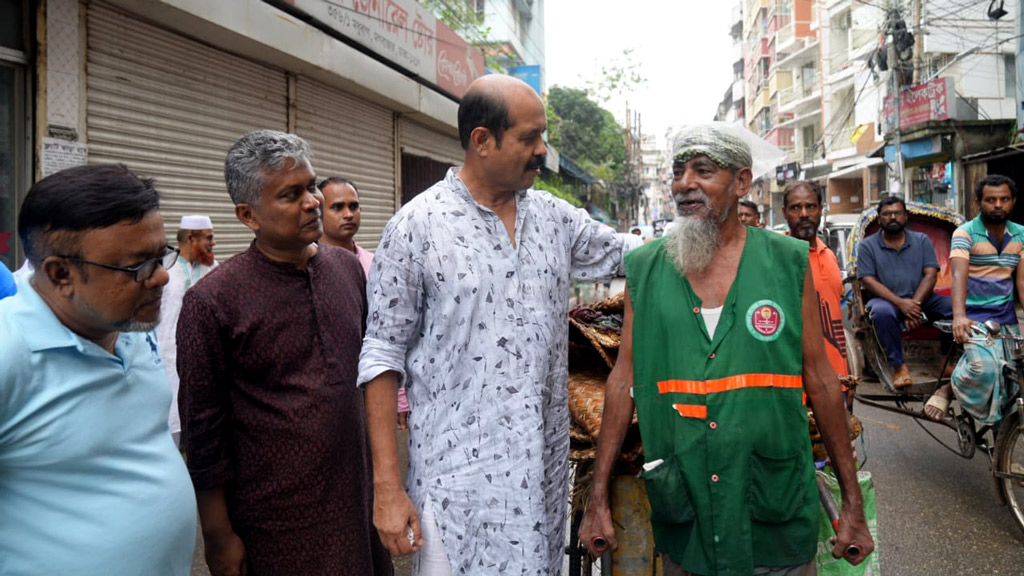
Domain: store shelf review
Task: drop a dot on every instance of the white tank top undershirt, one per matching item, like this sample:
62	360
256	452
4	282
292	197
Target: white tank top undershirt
711	316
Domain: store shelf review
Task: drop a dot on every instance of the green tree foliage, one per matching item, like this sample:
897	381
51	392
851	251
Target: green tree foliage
588	134
618	76
464	20
556	187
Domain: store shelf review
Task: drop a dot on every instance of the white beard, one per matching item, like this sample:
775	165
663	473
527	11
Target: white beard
694	241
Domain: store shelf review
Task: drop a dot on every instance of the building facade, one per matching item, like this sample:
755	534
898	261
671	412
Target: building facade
821	79
166	86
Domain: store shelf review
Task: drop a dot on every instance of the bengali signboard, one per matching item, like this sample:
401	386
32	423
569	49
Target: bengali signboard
935	100
406	33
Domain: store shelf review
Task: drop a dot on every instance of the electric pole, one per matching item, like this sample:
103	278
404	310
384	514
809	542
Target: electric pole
897	94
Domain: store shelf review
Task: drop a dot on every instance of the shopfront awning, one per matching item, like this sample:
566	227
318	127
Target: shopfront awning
920	151
856	170
816	171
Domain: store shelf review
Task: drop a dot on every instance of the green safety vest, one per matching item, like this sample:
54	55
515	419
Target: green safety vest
727	416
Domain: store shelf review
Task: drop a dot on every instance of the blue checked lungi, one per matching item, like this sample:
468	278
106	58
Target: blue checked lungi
978	380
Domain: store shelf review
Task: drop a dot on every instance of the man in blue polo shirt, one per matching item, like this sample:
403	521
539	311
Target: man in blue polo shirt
898	267
90	481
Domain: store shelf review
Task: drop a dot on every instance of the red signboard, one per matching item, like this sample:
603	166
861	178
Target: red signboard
927	102
405	33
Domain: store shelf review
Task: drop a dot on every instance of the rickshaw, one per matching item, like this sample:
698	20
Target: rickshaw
1005	447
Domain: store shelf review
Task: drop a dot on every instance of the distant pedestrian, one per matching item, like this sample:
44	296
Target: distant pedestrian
195	244
469	295
272	422
342	217
748	213
90	482
802	205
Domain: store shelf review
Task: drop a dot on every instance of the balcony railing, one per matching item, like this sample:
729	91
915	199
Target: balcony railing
800	90
786	32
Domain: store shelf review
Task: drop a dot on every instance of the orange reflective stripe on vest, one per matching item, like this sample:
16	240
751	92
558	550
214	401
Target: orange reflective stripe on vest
731	383
691	411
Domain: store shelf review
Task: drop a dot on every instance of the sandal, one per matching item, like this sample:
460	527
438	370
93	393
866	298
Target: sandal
940	404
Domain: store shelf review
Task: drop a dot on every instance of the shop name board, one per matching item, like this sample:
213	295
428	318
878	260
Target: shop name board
926	102
406	33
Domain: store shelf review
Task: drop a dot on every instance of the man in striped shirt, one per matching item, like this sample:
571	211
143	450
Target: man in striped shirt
984	257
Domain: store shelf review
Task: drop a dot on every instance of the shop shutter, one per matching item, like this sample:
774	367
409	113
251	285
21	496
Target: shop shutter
418	140
169	108
354	139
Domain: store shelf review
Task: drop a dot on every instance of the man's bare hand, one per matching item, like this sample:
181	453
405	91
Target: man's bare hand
225	555
853	530
393	514
403	420
962	329
911	311
597	523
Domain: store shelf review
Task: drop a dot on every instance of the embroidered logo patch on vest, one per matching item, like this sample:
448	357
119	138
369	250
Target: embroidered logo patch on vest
765	320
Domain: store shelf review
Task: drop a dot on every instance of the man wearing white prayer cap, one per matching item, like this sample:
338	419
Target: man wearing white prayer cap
196	242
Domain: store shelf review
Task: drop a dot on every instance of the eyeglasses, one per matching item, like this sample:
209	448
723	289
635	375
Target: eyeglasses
892	213
143	271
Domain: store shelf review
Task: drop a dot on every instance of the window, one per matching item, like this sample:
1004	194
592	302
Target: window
15	148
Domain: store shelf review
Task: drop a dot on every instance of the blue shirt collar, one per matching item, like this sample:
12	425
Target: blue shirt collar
39	326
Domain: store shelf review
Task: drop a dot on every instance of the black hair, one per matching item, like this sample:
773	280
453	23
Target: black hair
994	180
336	180
78	199
483	109
750	204
889	201
798	184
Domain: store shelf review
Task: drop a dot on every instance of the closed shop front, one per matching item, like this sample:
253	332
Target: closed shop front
354	139
169	108
426	157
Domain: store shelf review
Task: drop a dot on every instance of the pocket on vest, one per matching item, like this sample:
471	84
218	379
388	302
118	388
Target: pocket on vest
666	491
777	487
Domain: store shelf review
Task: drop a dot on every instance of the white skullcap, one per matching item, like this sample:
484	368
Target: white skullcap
196	222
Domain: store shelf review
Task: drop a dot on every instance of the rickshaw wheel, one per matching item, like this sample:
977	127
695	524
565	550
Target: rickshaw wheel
879	362
1010	460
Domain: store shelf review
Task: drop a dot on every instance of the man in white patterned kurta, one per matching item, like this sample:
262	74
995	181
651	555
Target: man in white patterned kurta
468	302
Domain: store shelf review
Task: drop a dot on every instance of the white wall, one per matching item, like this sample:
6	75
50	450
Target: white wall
500	18
955	25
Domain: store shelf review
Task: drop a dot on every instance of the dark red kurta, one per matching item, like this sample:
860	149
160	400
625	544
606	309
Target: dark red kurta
267	356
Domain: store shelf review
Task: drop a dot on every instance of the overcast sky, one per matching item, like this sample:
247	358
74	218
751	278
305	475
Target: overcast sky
683	48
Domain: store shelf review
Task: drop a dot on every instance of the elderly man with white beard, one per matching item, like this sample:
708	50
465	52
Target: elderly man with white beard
720	342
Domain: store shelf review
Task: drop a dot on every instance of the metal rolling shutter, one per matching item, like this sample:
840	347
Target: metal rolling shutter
354	139
169	108
419	140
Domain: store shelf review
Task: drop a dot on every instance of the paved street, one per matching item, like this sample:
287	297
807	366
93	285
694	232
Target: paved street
938	514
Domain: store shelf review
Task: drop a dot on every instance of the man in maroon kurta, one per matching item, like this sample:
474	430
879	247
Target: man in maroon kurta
272	422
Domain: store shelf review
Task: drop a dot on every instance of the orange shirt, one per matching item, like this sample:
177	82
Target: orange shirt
828	283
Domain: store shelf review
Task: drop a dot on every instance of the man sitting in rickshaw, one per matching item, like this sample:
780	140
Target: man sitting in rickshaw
984	257
898	267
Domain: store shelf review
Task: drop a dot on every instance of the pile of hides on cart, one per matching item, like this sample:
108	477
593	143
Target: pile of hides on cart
594	337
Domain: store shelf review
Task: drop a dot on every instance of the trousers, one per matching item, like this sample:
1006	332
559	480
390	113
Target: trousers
887	317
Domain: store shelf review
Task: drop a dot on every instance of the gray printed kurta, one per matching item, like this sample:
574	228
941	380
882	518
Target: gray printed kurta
477	328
